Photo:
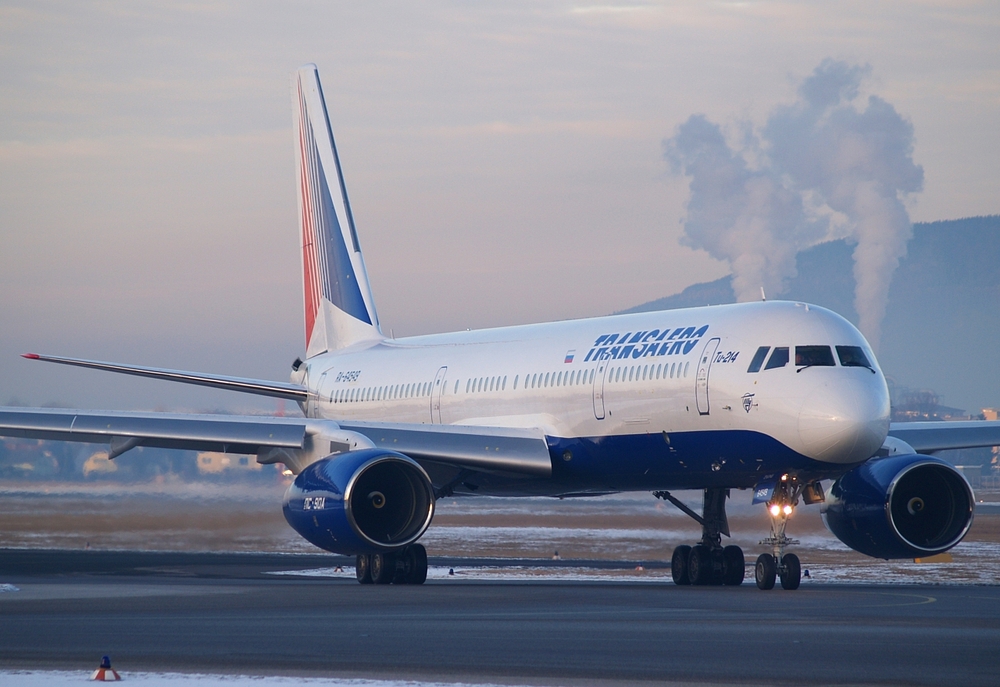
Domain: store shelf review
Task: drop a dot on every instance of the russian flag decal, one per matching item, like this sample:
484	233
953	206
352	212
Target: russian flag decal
569	356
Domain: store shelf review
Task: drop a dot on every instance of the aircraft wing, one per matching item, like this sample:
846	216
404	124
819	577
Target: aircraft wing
125	430
493	449
930	437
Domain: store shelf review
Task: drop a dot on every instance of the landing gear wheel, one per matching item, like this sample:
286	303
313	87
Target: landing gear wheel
765	571
363	568
679	565
416	564
791	571
733	566
700	565
383	568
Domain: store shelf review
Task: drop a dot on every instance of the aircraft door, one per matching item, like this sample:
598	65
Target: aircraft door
701	380
602	367
436	390
316	398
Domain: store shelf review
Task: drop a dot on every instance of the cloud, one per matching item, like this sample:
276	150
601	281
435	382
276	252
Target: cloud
821	156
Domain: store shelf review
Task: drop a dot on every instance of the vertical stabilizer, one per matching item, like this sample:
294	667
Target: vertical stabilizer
339	308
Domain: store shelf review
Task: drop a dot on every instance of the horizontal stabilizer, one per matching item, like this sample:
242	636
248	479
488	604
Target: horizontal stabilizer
291	392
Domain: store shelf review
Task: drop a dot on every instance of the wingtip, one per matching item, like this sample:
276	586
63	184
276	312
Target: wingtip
31	356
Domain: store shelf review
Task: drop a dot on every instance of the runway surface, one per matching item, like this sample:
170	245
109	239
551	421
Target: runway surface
226	613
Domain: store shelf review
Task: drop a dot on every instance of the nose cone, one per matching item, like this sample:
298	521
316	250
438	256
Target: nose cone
845	419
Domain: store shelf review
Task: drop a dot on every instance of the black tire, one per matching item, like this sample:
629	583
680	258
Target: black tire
416	564
679	565
700	565
383	568
363	568
765	571
791	571
733	566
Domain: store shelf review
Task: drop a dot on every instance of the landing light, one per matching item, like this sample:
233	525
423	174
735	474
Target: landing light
775	510
787	510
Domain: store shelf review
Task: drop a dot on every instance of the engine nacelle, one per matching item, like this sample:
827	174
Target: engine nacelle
366	501
901	506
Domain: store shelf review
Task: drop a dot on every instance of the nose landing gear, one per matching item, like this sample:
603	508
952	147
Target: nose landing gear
778	564
708	562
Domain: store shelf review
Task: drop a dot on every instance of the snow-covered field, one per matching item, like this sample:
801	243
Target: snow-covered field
33	678
620	528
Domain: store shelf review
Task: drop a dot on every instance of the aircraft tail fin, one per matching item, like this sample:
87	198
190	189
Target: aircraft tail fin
339	307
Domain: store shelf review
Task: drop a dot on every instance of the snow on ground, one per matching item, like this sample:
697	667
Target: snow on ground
65	678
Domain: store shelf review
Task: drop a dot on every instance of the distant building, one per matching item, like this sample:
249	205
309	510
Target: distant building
993	414
98	463
211	463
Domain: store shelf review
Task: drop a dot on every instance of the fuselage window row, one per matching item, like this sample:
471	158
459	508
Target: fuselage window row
482	384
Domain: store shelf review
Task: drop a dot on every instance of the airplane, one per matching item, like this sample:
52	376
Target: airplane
771	396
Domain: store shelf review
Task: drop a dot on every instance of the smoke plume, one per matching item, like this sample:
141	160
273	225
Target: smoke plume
820	168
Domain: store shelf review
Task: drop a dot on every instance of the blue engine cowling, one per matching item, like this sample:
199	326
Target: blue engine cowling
366	501
901	506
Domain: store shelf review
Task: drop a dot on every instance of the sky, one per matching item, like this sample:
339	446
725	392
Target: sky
505	162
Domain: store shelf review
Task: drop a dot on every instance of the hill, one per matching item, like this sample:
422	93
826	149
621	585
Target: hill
942	325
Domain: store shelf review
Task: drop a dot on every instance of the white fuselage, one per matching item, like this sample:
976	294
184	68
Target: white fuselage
679	373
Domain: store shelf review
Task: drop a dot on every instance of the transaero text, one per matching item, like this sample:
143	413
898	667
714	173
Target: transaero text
643	344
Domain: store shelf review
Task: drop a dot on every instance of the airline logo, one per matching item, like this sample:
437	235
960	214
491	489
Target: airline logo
646	343
328	271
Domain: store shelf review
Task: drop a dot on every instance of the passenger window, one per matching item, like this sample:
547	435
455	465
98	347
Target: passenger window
673	368
853	356
515	381
758	359
686	366
592	372
778	359
547	379
808	356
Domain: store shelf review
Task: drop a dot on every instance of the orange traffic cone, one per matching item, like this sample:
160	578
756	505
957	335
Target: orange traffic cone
105	673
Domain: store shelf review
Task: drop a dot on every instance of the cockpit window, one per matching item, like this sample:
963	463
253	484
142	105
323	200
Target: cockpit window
853	356
807	356
778	359
758	359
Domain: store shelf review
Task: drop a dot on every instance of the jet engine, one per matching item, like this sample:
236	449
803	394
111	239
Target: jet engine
901	506
361	502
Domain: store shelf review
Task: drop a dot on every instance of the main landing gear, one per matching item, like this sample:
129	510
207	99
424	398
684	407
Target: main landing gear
408	566
707	562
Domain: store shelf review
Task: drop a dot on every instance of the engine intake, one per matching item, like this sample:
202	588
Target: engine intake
366	501
900	507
